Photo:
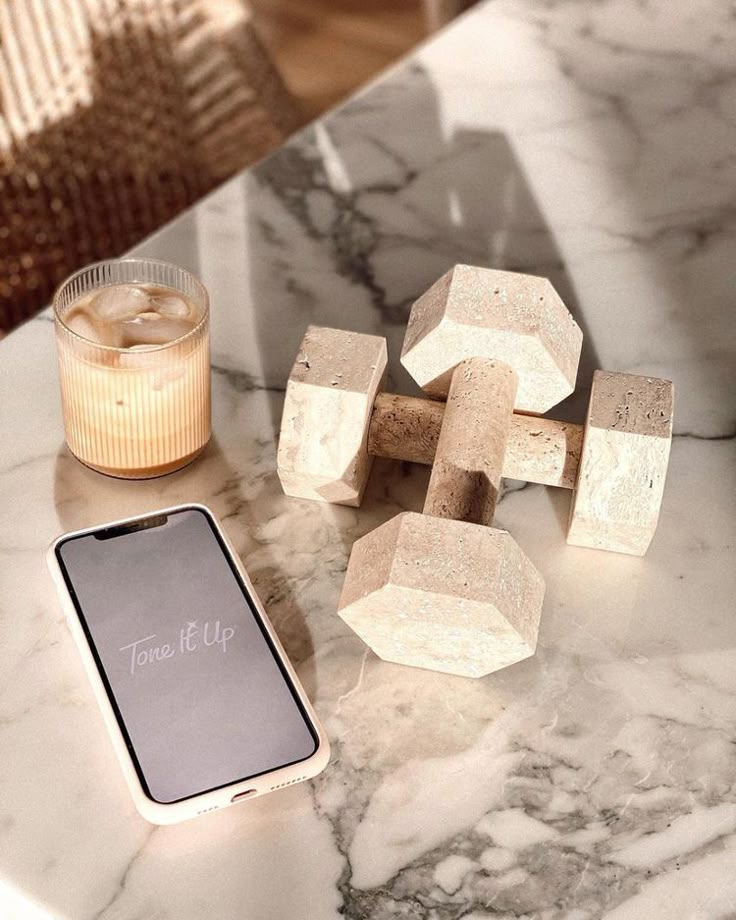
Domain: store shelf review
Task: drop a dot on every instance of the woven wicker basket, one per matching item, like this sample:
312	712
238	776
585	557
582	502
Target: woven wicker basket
114	116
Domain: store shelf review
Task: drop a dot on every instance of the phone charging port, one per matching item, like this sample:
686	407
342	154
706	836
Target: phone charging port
243	795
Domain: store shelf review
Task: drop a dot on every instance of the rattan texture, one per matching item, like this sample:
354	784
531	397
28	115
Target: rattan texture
114	116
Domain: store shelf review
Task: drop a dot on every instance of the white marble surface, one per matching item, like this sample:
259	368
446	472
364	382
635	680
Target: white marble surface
593	142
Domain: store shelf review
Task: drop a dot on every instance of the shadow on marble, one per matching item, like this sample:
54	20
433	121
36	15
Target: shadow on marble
354	220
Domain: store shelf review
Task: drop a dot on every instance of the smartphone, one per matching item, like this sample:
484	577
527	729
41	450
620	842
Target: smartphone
202	705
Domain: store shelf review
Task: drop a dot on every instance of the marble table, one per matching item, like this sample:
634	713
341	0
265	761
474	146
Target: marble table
591	142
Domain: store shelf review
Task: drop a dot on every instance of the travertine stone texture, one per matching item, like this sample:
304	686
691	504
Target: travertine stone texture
405	427
322	451
543	450
623	465
479	312
538	449
466	472
443	595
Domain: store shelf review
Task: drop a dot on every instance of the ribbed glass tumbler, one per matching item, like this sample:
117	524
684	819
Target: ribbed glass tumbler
134	410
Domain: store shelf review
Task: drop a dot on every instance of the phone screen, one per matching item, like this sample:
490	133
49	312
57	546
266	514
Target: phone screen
196	684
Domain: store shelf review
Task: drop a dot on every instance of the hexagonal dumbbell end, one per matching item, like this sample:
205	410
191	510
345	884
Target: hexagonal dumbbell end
623	463
476	312
330	393
442	594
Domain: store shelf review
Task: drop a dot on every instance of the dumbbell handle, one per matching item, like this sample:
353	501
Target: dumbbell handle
467	468
538	450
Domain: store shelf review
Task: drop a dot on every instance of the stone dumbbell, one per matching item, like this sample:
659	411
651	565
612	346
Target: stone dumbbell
439	590
335	420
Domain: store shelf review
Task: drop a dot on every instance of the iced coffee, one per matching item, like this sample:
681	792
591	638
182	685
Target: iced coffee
133	345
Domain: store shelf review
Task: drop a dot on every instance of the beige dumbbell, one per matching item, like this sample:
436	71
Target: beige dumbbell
335	420
438	590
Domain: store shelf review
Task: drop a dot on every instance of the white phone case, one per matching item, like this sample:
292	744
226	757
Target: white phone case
156	812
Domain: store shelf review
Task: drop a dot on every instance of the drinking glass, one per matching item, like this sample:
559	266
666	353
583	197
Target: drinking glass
139	412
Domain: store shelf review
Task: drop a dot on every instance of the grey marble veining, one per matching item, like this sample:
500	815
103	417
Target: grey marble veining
590	142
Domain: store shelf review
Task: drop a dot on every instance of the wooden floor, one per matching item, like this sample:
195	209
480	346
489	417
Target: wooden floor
325	49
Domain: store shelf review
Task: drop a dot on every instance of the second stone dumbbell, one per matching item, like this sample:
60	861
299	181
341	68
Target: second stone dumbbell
336	420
